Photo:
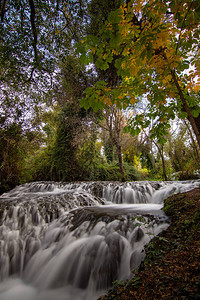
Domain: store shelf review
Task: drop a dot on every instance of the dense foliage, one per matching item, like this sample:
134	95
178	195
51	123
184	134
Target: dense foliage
92	90
151	44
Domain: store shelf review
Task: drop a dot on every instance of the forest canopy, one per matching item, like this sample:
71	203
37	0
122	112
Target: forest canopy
154	45
99	90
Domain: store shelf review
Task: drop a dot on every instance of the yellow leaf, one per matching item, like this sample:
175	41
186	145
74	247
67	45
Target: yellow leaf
123	65
133	69
171	94
121	96
132	100
124	28
93	50
126	51
107	100
197	88
115	52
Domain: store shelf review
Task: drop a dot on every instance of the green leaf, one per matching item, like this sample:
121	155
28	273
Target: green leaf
84	103
134	131
149	51
182	115
195	112
125	129
143	54
115	16
115	40
90	57
84	59
105	66
162	140
100	84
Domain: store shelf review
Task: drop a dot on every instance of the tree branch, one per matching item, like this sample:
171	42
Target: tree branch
182	27
186	108
3	9
34	31
31	75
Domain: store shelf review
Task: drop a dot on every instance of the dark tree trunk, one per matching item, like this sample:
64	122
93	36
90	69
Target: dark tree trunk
194	145
119	154
160	150
33	27
163	164
194	122
3	9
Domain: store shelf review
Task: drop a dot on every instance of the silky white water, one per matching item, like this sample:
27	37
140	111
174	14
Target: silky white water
73	240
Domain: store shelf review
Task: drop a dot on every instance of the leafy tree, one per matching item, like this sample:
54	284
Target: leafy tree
10	156
114	124
183	156
98	13
15	144
19	136
147	150
155	43
64	165
74	124
34	37
108	147
34	34
89	156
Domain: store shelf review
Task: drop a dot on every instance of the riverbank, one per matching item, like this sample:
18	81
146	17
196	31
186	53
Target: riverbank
171	269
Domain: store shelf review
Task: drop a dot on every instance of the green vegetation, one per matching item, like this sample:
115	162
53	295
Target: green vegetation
108	90
99	90
171	267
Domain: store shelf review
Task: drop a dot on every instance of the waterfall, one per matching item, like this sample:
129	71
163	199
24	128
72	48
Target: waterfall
73	240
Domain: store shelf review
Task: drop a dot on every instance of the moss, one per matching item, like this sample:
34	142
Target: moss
172	264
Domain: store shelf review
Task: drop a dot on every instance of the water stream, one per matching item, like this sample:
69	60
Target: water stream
69	241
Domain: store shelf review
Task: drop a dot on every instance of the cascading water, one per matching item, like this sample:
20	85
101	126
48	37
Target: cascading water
68	241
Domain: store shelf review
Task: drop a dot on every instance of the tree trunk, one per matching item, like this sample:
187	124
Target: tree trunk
163	163
160	150
195	122
119	154
3	10
193	142
152	157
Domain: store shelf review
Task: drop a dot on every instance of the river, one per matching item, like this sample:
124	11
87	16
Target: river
69	241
